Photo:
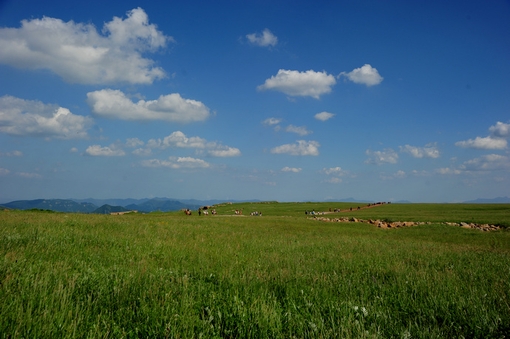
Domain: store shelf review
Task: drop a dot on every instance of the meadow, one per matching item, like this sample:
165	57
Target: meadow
279	275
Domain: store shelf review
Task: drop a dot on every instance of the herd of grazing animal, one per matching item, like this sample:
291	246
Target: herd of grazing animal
205	210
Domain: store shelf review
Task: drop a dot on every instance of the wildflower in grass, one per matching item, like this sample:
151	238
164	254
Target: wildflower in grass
365	312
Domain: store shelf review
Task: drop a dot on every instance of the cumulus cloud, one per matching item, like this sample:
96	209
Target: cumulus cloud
34	118
29	175
142	151
334	171
388	156
429	151
291	169
334	180
483	143
301	147
485	163
264	39
301	130
177	163
397	175
448	170
500	130
106	151
114	104
134	142
224	151
496	140
271	121
400	174
178	139
12	154
335	174
295	83
79	54
365	75
323	116
490	162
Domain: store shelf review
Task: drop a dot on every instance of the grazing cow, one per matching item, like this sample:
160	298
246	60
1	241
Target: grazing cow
187	211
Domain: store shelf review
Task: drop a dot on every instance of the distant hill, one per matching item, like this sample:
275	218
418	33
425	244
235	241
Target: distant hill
161	204
346	200
57	205
499	200
115	205
112	202
107	209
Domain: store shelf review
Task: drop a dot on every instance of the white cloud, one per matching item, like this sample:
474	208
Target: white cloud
179	140
483	143
490	162
302	147
422	173
142	151
291	169
134	142
225	152
295	83
4	171
107	151
486	163
397	175
400	174
33	118
334	180
334	174
79	54
365	75
271	121
114	104
301	130
73	150
177	163
334	171
388	156
323	116
496	139
500	130
265	39
12	154
448	170
429	151
29	175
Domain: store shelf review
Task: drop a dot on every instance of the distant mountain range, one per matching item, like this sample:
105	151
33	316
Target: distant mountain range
499	200
107	206
59	205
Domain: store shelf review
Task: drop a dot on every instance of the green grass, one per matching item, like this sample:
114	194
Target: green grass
277	276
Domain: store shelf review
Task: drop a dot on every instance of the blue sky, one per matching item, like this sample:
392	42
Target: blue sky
269	100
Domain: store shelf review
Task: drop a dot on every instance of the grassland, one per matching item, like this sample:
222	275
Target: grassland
167	275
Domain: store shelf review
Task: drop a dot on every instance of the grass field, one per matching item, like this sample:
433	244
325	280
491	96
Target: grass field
167	275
